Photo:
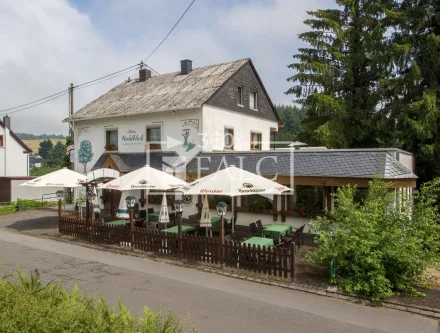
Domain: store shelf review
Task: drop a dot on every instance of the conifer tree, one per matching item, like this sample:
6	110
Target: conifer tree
336	75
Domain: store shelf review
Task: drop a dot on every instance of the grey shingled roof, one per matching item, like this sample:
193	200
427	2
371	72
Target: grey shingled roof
171	91
127	162
326	163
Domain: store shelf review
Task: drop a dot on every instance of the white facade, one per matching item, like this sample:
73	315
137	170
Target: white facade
204	129
216	120
13	160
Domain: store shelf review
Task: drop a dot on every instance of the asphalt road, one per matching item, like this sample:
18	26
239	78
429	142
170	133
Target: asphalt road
213	303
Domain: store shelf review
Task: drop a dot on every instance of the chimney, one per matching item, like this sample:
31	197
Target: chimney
185	66
144	74
7	121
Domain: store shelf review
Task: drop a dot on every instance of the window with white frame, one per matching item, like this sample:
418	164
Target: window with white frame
154	136
240	95
2	141
253	100
256	139
111	139
229	138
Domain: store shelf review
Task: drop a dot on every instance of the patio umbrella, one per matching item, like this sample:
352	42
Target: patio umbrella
233	182
59	178
145	178
122	212
163	215
96	208
205	221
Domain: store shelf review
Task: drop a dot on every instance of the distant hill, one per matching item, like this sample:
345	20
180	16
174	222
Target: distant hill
29	136
35	144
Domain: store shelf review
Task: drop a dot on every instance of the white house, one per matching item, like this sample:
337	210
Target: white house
14	154
218	107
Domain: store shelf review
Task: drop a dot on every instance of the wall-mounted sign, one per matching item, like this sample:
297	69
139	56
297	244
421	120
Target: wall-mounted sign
132	138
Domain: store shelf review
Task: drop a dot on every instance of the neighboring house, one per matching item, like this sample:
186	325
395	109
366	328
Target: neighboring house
197	121
14	153
35	161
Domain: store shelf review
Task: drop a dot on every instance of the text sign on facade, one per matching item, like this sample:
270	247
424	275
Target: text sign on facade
133	138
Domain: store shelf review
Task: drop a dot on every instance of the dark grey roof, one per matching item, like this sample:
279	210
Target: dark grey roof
326	163
127	162
170	91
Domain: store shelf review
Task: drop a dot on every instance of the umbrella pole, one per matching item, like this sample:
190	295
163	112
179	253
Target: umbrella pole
146	191
233	215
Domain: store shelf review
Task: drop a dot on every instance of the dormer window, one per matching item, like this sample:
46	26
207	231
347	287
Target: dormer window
240	96
253	101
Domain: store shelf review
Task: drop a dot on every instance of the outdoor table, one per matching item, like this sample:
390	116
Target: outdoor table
175	229
277	230
153	216
259	241
118	222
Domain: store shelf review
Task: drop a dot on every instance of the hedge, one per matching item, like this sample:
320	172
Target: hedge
22	204
26	305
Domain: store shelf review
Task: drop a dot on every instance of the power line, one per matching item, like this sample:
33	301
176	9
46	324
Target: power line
38	100
175	25
103	77
109	78
65	93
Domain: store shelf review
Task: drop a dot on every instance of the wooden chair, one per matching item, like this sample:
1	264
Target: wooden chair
297	236
260	226
172	218
162	226
254	230
194	219
228	238
238	236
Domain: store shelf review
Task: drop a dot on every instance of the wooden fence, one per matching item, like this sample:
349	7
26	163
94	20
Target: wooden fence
279	262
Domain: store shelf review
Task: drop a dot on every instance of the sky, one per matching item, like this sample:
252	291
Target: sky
48	44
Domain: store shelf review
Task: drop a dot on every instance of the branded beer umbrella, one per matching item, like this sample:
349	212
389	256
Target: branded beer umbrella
145	178
233	182
164	217
122	212
59	178
205	221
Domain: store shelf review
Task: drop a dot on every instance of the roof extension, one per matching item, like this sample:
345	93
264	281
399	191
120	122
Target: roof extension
329	163
165	92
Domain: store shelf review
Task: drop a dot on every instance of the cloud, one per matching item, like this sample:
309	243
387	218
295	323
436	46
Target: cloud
49	44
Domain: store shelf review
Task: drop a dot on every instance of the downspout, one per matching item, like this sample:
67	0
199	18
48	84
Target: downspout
5	144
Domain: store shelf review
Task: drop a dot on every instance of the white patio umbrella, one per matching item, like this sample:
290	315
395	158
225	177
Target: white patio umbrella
59	178
122	212
233	182
145	178
164	217
205	221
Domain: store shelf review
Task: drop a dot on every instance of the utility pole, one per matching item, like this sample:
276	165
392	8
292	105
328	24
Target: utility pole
72	165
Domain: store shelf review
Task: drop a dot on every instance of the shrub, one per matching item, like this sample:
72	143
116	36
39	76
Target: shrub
380	248
30	306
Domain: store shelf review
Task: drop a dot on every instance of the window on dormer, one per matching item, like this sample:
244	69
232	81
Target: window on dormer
253	100
240	96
